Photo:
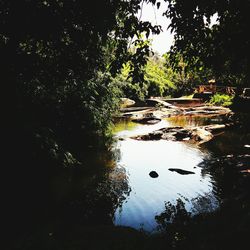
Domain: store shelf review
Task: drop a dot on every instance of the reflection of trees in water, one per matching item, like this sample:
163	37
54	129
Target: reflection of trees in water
198	120
205	203
178	215
116	152
226	228
115	185
173	214
79	199
113	190
225	172
183	228
97	195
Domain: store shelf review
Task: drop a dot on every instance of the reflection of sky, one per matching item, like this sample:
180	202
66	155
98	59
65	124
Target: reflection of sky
141	129
148	195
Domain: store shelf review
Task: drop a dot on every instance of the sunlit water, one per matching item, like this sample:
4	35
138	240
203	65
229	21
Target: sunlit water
147	196
113	187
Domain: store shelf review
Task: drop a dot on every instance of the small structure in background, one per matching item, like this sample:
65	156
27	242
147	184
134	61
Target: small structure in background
213	87
207	90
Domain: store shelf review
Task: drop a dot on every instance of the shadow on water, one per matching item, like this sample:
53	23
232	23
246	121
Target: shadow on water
79	209
113	202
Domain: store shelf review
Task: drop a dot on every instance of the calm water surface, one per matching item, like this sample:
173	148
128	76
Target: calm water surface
148	196
114	188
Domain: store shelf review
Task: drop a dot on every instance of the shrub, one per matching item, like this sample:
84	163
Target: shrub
221	100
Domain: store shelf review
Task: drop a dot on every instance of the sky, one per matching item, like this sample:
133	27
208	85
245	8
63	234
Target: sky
162	42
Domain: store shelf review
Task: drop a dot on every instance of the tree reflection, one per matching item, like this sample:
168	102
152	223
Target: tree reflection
101	192
178	215
80	200
173	214
212	223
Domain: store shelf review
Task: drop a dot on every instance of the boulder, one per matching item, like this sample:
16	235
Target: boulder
126	102
200	134
193	134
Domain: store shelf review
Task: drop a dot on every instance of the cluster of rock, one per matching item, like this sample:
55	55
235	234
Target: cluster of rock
157	109
199	134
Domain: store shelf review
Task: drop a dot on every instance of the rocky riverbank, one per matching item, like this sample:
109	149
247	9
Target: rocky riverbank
155	110
197	135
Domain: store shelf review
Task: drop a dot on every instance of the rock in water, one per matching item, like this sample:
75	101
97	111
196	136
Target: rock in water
201	134
153	174
126	102
147	120
180	171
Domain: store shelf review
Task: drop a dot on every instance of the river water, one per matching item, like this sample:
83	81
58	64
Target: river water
115	188
148	196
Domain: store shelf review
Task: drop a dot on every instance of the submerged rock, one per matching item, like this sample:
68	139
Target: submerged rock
181	171
153	174
147	120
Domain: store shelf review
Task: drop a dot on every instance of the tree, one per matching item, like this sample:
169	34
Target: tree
52	53
223	46
186	77
56	60
159	78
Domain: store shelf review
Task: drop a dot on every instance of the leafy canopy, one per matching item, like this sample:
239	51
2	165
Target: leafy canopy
223	46
57	58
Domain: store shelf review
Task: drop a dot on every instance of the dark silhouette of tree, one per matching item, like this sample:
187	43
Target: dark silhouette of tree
56	61
223	46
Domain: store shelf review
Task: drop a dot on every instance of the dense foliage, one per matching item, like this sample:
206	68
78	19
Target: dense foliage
222	46
58	61
161	79
57	58
158	80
